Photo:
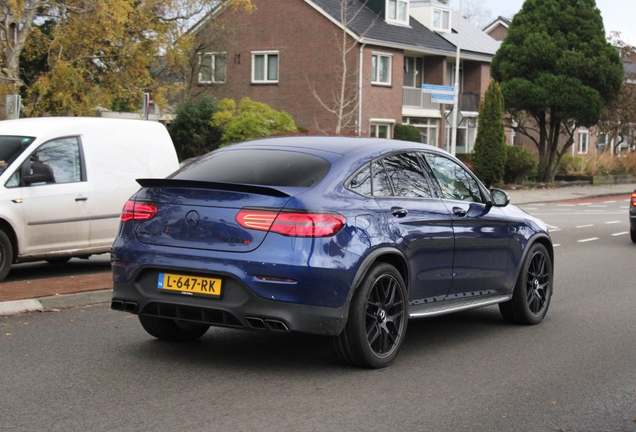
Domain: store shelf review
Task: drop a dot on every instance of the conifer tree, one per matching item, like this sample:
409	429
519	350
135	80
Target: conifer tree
489	155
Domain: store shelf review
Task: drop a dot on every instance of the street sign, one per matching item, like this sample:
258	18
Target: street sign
438	90
12	106
442	99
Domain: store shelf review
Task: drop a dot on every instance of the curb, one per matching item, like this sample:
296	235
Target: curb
41	304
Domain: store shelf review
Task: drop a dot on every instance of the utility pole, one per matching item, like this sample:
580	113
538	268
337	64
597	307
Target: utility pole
453	146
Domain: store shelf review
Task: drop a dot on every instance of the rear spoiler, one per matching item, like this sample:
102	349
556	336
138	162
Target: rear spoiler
198	184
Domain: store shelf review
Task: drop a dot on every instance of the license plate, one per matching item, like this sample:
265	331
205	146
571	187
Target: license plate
190	284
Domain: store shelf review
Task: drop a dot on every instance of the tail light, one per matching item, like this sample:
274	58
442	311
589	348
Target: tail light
138	211
633	203
292	224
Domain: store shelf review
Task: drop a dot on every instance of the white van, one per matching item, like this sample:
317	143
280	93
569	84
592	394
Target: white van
65	180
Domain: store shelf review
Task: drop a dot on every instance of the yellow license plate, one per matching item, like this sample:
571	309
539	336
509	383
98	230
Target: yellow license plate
190	284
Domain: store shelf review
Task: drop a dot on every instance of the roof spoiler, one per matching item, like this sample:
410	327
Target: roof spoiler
198	184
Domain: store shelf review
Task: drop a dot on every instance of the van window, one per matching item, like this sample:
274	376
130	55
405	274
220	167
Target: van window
59	159
10	148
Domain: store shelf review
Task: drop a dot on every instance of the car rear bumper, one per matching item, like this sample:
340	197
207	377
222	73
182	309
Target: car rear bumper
237	308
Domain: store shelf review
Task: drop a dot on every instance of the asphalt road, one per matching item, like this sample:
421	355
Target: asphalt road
94	369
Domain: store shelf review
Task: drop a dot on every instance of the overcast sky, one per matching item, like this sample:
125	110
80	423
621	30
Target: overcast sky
618	15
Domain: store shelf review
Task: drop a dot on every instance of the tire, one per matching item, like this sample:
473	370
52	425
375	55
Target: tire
377	322
172	330
6	255
632	234
533	290
58	260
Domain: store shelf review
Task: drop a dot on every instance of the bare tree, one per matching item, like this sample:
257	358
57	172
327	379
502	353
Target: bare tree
343	102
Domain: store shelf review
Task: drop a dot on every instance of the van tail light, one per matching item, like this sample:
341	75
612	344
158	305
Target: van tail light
291	224
633	203
138	211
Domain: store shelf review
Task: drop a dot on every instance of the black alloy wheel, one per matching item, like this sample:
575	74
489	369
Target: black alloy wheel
533	291
377	322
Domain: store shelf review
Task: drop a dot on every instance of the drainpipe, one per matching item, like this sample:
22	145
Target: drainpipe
360	91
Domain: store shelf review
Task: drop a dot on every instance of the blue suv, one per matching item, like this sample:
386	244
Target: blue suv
345	237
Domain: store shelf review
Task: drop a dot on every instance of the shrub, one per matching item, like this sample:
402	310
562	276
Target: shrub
191	131
571	165
519	163
407	133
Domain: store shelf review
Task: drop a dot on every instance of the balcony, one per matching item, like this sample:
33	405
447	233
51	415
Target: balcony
414	98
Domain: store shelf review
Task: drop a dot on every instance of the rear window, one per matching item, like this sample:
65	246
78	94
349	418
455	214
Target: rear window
257	167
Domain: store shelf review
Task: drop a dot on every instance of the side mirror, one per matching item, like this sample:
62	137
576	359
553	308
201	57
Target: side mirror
499	197
38	173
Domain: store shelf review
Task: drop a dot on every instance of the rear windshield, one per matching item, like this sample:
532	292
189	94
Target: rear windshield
257	167
11	147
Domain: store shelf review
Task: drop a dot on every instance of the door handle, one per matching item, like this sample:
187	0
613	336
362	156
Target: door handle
459	211
81	199
399	212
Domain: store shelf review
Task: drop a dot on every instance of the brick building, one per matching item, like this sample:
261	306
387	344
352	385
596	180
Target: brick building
288	54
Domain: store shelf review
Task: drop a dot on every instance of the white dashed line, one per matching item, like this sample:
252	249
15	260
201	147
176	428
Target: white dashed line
612	222
620	233
608	202
587	240
554	230
556	245
566	205
585	226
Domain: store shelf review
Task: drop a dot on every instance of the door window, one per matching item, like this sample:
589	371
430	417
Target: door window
61	157
454	180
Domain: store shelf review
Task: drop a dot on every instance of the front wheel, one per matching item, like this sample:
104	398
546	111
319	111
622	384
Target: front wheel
533	291
6	255
632	234
377	321
172	330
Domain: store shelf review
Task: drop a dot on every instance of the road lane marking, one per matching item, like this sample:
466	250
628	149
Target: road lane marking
620	233
585	226
556	245
587	240
612	222
566	205
609	202
554	229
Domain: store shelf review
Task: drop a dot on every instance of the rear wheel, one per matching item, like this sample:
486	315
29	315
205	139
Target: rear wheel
377	321
6	255
533	291
172	330
632	234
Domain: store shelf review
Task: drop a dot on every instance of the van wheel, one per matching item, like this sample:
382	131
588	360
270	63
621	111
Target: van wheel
172	330
377	322
6	255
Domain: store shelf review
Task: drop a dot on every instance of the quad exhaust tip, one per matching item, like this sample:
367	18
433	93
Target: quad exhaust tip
266	324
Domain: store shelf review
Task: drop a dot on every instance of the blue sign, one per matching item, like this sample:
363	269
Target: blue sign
442	99
439	90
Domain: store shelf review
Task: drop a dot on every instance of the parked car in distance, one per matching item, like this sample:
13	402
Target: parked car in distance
64	181
345	237
632	217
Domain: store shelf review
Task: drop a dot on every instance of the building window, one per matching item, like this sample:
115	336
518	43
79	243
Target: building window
441	19
265	67
381	130
212	68
429	128
381	69
584	139
413	72
397	11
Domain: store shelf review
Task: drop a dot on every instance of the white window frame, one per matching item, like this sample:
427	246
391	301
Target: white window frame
397	19
377	123
266	55
584	142
429	125
441	26
375	62
213	56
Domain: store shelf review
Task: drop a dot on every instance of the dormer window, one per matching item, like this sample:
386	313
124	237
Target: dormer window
397	11
441	20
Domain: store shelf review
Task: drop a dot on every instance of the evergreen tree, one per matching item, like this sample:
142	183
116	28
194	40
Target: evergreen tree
556	69
489	156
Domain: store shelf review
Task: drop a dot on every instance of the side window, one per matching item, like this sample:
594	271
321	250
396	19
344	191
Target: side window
381	183
59	157
407	177
361	182
454	181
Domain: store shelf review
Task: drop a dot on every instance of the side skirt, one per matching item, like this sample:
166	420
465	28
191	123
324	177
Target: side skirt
450	306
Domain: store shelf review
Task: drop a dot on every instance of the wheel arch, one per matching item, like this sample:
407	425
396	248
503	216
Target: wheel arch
13	238
387	255
545	241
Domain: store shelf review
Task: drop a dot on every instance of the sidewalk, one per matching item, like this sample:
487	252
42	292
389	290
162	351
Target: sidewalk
53	293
